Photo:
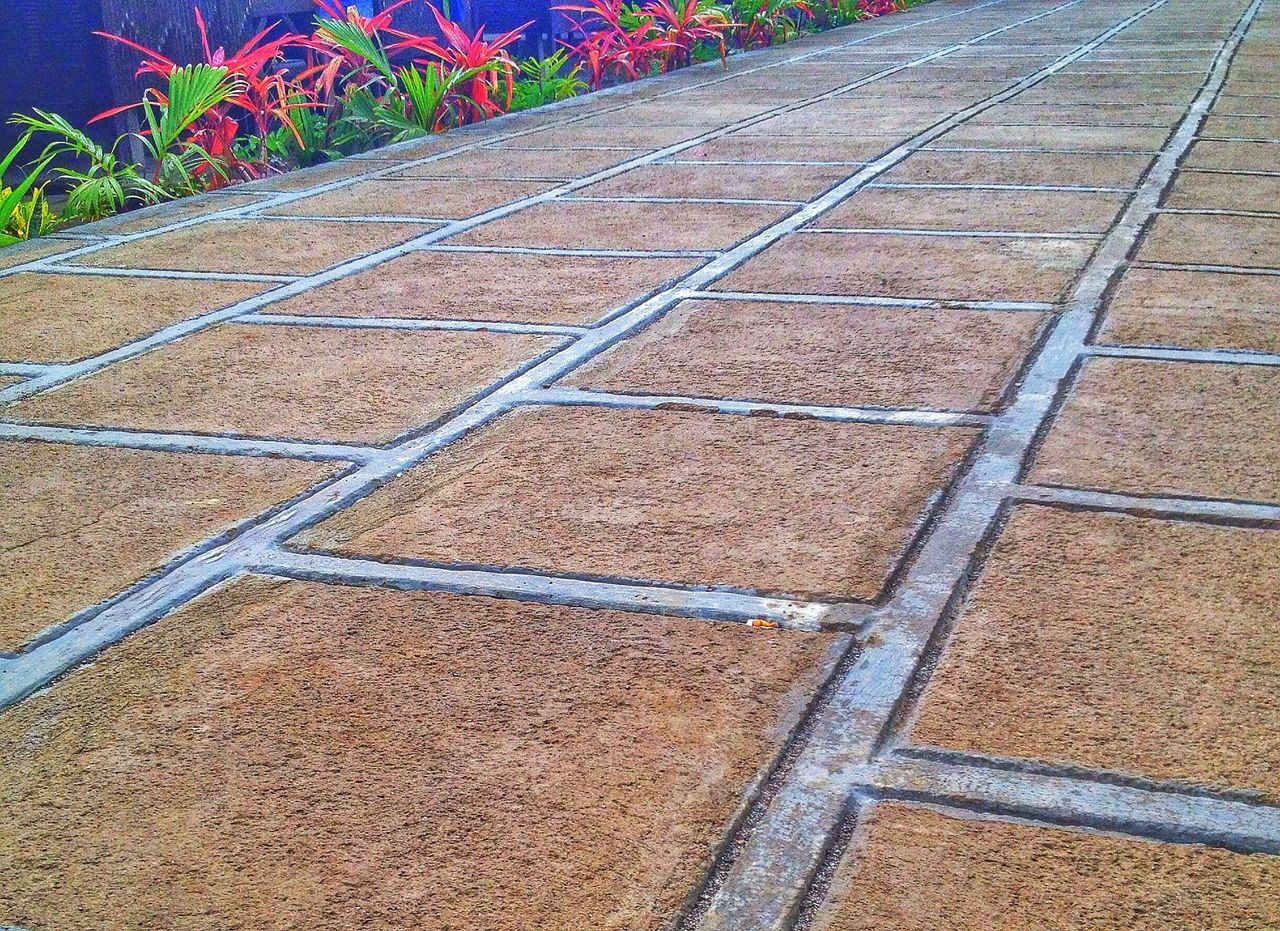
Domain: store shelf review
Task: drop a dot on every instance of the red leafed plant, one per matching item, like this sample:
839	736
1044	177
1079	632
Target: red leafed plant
682	24
619	41
881	7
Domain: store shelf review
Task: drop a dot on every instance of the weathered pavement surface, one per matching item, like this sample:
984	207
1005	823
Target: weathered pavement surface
381	542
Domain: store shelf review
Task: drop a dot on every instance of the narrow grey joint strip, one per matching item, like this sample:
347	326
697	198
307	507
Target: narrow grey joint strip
871	300
760	162
1234	171
54	267
1037	150
1167	816
30	369
966	234
692	201
411	323
720	606
1171	354
1202	267
1219	212
372	218
583	253
185	442
873	415
1193	508
974	186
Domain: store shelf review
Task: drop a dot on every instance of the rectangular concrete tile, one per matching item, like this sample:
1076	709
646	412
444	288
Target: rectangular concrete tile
908	867
312	383
1235	105
285	754
272	247
675	112
825	354
852	117
62	318
7	380
292	181
739	147
35	249
1217	191
1174	86
947	267
1119	643
1197	310
506	163
567	289
1233	156
748	182
1161	428
449	199
80	524
1121	171
979	211
1188	239
804	507
1088	138
653	226
151	218
625	137
1242	127
1079	115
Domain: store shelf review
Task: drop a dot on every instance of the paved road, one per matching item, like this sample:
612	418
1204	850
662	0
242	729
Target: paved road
837	492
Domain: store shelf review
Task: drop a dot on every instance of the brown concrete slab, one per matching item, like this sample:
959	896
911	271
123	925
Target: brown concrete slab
505	163
62	318
290	754
749	182
80	524
1160	428
950	267
979	211
674	111
1235	105
625	137
359	386
804	507
825	354
852	117
652	226
737	147
1247	242
341	170
1218	191
1197	310
1122	171
908	866
491	286
1071	605
1233	156
1242	127
35	249
7	380
1080	115
1088	138
272	247
450	200
136	221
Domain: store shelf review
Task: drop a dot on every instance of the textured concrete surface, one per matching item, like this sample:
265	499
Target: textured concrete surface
424	568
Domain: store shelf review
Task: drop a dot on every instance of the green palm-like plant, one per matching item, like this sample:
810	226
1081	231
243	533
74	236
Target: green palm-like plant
15	212
544	83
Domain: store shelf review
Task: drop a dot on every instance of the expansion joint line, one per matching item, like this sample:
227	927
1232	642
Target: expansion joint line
771	869
260	538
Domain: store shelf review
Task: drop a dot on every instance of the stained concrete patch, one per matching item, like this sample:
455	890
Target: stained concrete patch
294	181
1233	156
978	211
1083	138
507	163
272	247
1159	428
1072	604
490	286
1197	310
62	318
313	383
451	199
948	267
651	226
805	507
79	524
737	147
1247	242
825	354
282	753
750	182
1078	168
1217	191
908	866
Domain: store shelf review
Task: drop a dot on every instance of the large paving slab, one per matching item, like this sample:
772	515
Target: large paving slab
807	148
62	318
79	524
449	199
500	286
1080	138
825	354
1194	310
796	506
1159	428
752	182
1247	242
908	866
977	211
1208	190
287	754
1118	643
947	267
1221	155
311	383
272	247
501	163
1077	168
